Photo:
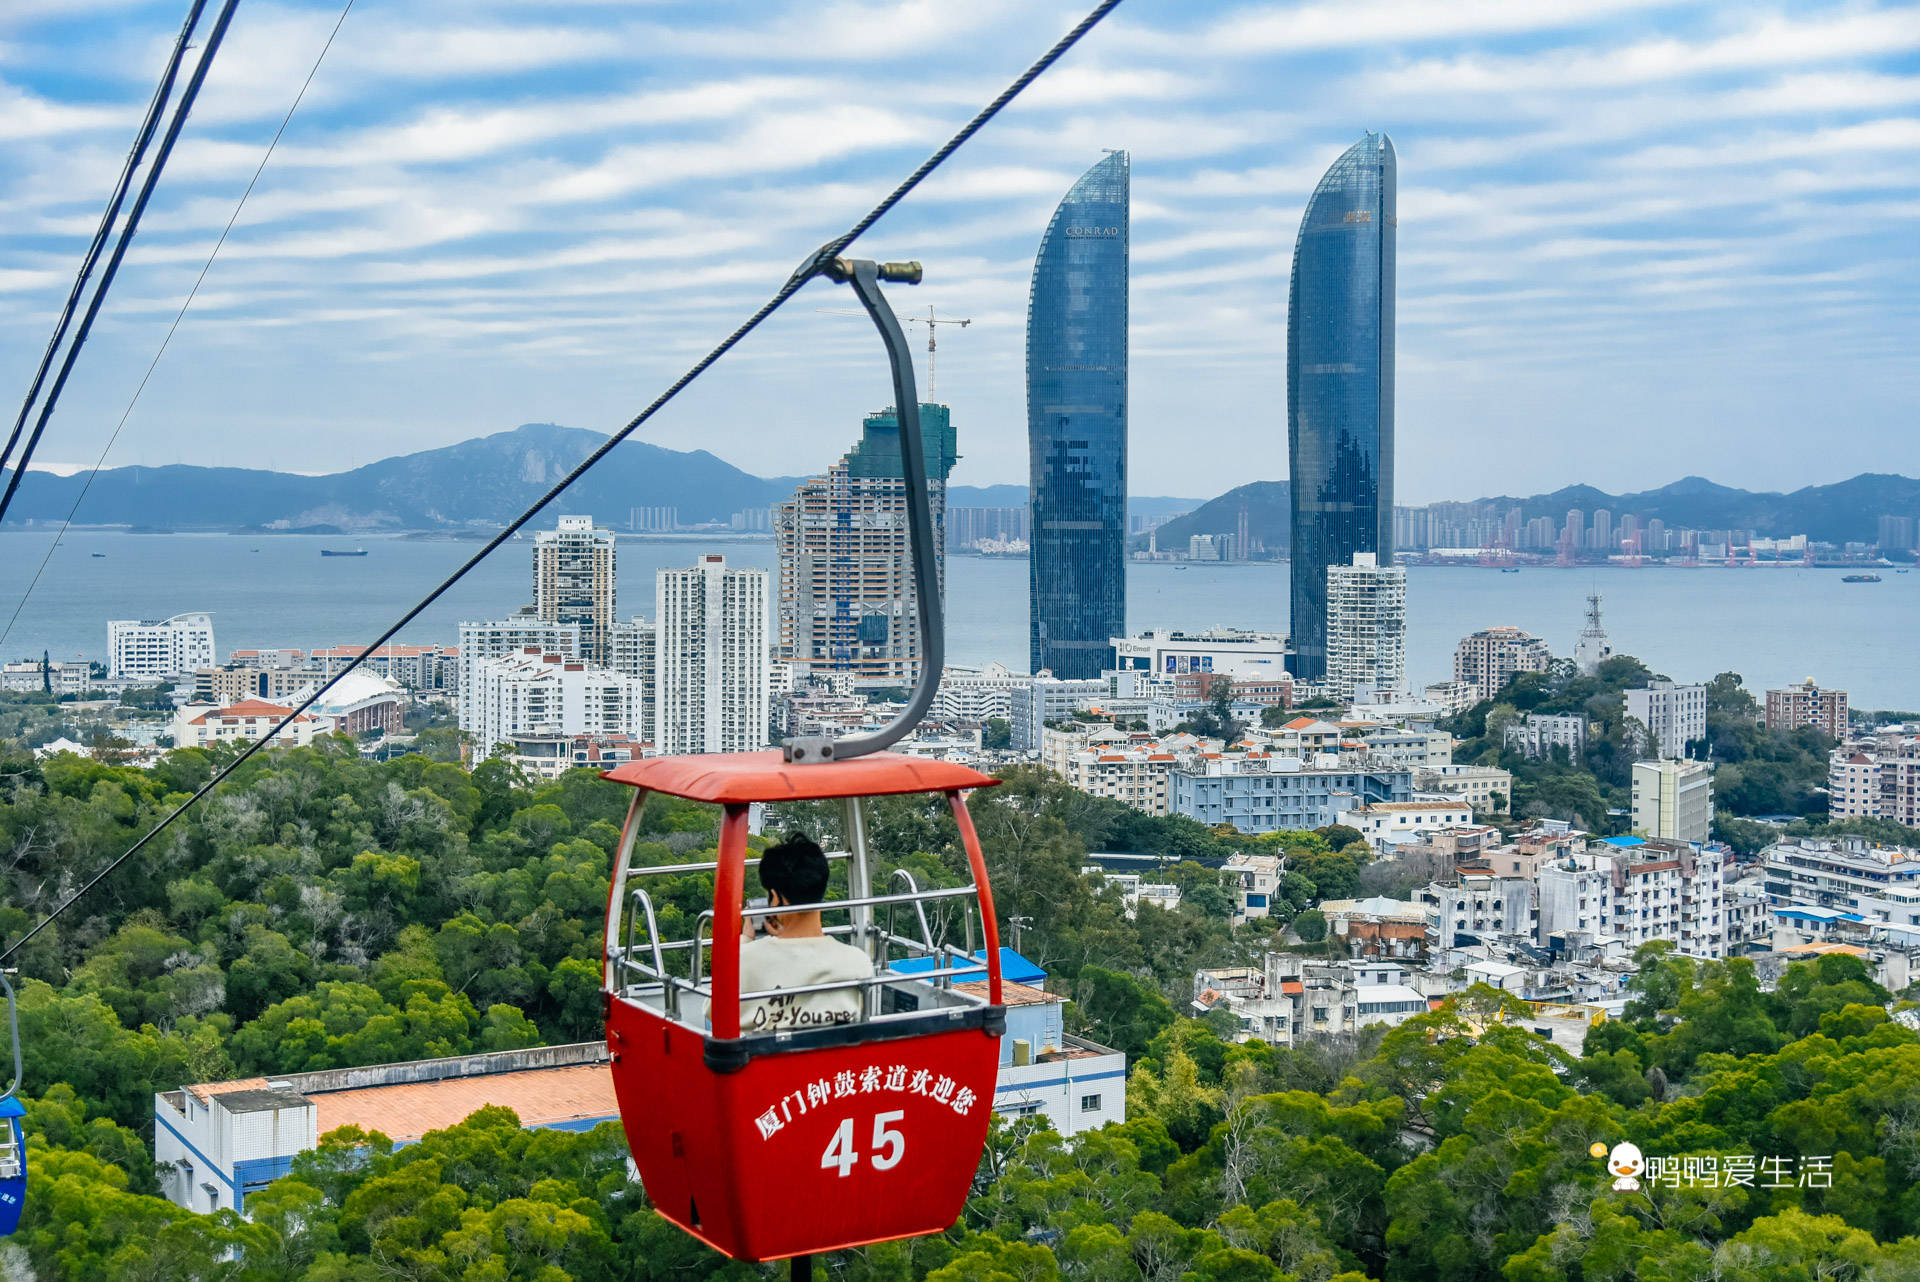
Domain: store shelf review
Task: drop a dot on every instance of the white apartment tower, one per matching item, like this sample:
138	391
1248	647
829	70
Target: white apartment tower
1673	799
498	638
1366	626
160	647
1674	715
713	666
573	581
633	648
1593	648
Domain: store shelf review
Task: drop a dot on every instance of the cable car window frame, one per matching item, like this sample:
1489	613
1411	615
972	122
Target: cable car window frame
651	984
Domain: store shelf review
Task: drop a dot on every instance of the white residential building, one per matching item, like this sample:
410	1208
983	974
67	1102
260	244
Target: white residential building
1366	626
573	581
1255	880
1485	788
975	694
1133	776
1240	654
160	648
714	666
198	726
1044	697
1539	733
1391	823
498	638
1673	714
1673	800
1453	696
1671	890
633	648
1047	1072
1851	874
62	676
548	695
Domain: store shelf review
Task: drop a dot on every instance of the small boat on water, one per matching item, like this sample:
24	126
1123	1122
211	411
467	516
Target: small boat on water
1509	569
99	556
1859	578
341	552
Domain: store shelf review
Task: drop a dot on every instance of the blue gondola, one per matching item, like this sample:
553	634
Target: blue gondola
13	1136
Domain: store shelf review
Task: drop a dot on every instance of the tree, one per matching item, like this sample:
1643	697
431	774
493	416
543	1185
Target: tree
1311	926
997	734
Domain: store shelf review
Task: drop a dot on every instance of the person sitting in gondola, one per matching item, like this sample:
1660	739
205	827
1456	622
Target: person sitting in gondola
796	952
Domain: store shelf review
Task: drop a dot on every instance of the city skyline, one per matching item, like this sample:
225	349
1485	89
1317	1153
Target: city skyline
455	240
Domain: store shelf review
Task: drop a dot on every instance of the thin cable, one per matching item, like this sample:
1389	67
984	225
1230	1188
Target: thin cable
177	318
91	258
174	126
792	286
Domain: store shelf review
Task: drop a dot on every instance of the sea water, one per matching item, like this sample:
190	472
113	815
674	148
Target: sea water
1770	624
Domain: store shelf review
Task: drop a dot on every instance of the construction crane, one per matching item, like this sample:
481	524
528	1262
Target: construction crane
931	321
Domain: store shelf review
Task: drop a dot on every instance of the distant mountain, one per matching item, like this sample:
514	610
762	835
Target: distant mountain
1844	511
482	482
1847	511
1267	508
485	481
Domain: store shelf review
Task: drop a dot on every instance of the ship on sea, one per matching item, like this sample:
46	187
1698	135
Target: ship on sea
342	552
1859	578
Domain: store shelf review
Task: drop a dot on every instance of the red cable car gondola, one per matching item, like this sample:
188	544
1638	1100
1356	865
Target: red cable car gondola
781	1144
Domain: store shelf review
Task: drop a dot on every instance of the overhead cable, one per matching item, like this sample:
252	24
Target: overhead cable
161	94
152	180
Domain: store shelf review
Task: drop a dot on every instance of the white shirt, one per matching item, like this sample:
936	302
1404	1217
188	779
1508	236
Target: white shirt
769	962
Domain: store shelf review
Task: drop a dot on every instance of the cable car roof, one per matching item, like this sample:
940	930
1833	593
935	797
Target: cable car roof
735	778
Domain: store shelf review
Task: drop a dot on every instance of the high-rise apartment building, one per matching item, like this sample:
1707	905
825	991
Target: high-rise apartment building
1806	704
497	638
713	666
1674	715
1077	425
633	649
1673	799
847	601
573	581
1366	626
1340	328
1879	779
157	648
1490	658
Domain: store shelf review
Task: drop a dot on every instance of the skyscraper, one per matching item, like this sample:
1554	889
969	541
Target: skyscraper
1077	425
711	665
1366	627
1340	384
847	600
573	581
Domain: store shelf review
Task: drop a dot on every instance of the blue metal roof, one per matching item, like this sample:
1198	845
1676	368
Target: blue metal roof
1623	841
1013	967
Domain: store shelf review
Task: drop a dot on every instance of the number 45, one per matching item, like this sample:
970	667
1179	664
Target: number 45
840	1153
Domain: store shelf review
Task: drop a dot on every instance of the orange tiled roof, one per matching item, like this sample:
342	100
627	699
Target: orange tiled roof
540	1096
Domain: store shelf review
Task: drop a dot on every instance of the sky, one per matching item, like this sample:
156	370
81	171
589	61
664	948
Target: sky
1637	240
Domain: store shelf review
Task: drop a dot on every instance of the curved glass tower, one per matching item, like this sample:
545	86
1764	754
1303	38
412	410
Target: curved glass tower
1340	384
1077	425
